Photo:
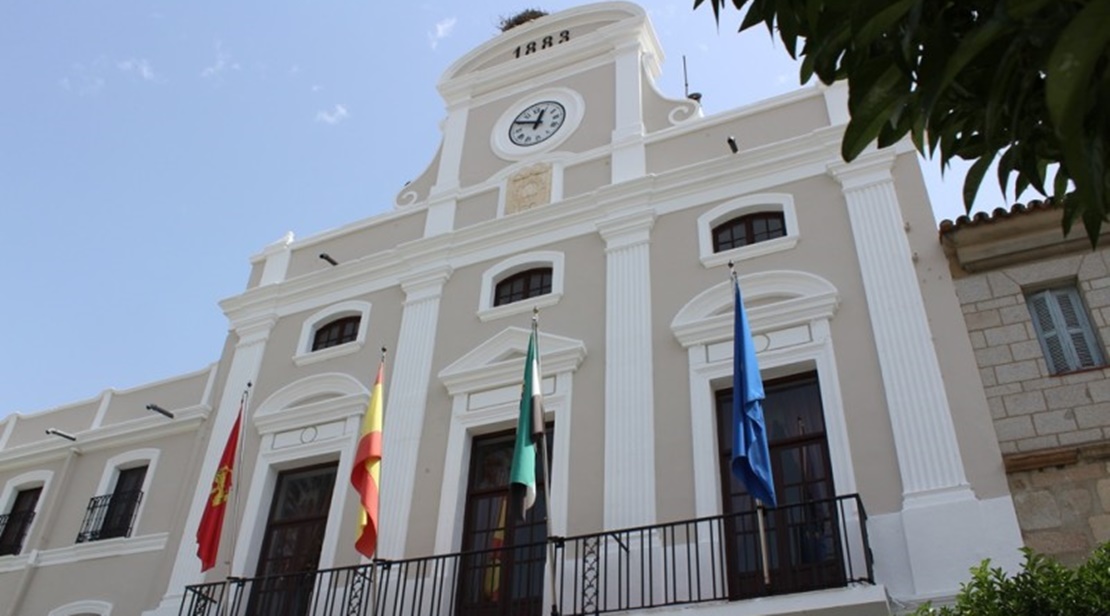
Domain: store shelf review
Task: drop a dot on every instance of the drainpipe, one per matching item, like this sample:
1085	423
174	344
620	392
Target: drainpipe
51	508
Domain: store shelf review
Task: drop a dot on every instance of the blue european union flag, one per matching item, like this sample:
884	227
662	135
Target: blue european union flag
751	462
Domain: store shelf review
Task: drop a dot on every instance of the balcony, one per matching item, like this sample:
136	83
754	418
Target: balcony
110	515
812	546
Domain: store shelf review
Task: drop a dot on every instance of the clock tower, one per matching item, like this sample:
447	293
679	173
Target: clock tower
557	107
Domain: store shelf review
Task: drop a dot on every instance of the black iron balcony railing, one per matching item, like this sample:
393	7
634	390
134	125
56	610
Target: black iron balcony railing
13	530
811	546
110	515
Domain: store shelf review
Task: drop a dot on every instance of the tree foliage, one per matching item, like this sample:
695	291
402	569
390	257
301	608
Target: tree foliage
1026	82
1042	588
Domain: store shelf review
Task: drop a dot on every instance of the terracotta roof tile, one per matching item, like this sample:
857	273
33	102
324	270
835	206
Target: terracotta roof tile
999	213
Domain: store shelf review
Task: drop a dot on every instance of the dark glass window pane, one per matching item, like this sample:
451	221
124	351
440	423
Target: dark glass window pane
336	332
749	229
15	524
503	571
523	285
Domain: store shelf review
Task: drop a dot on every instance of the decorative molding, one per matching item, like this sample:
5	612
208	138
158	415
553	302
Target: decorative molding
83	608
103	548
486	367
778	299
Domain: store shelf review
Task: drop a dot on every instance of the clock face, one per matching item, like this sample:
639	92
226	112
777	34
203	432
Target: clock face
537	123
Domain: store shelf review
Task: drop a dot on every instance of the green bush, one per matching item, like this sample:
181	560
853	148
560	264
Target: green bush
1044	587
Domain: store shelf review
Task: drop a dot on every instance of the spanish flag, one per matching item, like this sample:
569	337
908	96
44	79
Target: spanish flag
367	466
212	522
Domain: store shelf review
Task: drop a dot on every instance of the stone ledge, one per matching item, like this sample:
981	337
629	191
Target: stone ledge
1056	456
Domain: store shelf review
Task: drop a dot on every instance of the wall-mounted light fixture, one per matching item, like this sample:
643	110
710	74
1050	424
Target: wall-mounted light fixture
159	410
325	256
65	435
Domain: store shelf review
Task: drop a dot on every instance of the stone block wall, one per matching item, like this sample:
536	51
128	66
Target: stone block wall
1033	409
1054	430
1064	511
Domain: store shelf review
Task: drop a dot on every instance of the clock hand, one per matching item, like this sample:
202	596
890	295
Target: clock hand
539	118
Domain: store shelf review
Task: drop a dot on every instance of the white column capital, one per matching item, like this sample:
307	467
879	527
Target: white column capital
626	230
870	168
255	329
426	284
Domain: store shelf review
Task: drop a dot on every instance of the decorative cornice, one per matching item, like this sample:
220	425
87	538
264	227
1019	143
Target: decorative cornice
121	434
870	168
105	548
480	369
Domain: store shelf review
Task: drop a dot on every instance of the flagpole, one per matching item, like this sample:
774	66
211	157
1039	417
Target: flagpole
549	547
758	503
235	486
374	556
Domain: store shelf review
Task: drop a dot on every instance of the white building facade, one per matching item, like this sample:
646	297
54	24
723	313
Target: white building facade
565	182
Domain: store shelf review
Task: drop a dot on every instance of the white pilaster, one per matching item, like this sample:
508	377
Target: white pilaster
442	200
277	256
245	362
925	438
945	528
405	402
629	394
629	159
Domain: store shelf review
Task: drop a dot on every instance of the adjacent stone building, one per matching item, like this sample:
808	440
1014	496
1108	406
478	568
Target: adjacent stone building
1037	307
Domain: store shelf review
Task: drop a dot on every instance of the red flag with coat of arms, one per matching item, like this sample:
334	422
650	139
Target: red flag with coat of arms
212	522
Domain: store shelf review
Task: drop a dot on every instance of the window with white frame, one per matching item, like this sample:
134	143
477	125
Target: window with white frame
747	227
520	283
1064	330
339	329
20	501
116	508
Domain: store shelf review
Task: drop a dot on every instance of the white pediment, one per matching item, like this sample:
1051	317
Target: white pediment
313	399
587	27
499	361
773	300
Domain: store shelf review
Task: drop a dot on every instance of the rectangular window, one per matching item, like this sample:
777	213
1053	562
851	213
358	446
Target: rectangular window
15	524
1064	330
112	515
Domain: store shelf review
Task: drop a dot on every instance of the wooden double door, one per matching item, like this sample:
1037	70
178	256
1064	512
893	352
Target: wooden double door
802	536
291	547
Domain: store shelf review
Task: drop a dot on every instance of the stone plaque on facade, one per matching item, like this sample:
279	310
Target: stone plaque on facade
528	188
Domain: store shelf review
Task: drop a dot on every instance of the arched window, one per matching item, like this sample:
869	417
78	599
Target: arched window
747	230
333	331
336	332
535	276
523	285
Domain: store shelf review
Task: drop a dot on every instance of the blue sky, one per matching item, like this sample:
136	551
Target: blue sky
147	149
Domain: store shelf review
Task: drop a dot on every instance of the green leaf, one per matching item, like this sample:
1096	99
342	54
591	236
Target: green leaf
877	17
974	179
